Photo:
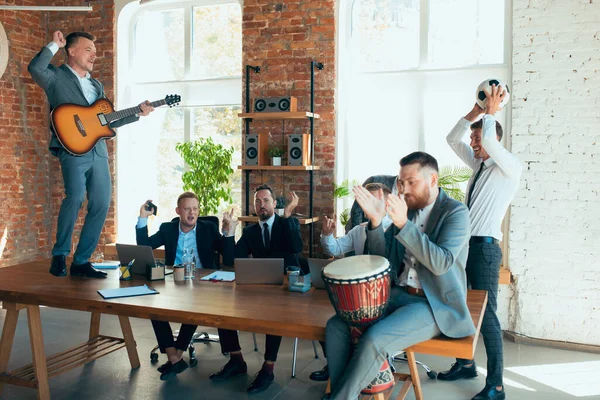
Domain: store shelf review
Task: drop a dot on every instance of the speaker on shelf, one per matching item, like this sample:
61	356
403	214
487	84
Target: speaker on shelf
257	149
299	149
276	104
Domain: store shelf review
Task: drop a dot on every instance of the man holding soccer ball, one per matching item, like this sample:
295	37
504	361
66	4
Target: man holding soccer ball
495	179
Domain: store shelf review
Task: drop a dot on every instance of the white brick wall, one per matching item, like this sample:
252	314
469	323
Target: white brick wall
555	218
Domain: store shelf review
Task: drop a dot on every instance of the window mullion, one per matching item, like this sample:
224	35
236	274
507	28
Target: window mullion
424	34
187	41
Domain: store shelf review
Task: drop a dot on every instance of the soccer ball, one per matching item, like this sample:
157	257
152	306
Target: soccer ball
487	85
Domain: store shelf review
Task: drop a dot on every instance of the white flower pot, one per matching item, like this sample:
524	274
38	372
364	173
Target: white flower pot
276	161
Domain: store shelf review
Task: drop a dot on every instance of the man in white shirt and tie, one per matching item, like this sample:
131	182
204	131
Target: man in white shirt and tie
495	180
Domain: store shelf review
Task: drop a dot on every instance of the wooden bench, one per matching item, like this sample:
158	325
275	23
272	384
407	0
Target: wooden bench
439	346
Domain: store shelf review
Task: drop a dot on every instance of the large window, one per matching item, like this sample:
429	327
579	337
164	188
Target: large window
193	49
409	70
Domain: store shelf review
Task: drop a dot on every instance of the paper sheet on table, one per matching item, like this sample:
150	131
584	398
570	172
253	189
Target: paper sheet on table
127	292
107	265
225	276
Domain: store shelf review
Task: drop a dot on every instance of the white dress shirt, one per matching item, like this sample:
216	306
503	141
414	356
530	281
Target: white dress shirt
498	182
409	276
354	240
90	91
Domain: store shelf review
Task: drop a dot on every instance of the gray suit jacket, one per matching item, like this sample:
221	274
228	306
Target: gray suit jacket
357	216
62	86
441	253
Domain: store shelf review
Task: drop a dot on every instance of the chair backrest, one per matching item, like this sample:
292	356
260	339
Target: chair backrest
215	220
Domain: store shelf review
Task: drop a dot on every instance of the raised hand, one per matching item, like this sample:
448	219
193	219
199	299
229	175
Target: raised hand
59	39
143	212
494	99
329	225
397	210
289	209
475	113
229	223
373	207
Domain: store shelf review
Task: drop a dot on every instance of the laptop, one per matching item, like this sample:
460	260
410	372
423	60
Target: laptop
258	271
316	265
143	256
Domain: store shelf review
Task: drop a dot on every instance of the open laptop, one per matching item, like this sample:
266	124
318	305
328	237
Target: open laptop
143	256
316	265
258	271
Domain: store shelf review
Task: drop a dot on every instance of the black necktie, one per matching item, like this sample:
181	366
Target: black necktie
366	248
473	184
266	236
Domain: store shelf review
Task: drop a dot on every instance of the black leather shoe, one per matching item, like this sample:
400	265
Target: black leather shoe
173	370
262	381
230	370
490	393
458	372
58	266
164	367
320	375
87	270
326	396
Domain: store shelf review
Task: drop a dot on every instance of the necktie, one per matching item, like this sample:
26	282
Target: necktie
470	197
266	237
366	248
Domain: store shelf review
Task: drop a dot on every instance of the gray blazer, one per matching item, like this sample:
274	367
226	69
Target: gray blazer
357	216
442	257
62	86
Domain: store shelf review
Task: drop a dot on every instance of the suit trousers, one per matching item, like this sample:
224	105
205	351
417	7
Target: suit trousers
483	269
230	342
409	320
88	173
164	335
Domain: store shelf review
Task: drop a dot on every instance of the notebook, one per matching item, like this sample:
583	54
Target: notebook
316	265
127	292
106	265
225	276
258	271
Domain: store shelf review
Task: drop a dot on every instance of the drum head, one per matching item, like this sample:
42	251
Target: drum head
356	267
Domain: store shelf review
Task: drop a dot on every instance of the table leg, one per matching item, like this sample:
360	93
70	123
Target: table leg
37	349
8	336
95	325
129	342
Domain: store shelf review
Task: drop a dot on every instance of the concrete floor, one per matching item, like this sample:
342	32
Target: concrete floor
111	377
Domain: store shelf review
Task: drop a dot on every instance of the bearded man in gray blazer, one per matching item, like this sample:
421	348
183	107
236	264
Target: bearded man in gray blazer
72	83
427	248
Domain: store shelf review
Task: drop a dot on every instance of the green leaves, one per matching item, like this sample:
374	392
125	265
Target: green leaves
345	216
209	172
344	189
450	177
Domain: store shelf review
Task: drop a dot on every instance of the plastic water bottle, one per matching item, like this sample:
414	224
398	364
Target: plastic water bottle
188	263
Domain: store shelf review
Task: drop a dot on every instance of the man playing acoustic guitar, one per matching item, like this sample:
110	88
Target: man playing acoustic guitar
72	83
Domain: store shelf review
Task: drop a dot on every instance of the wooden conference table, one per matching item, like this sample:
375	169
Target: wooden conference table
255	308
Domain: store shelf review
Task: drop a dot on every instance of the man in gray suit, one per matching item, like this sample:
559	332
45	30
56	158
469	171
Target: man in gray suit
72	83
427	248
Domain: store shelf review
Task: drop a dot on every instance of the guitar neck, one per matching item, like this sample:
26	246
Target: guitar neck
127	112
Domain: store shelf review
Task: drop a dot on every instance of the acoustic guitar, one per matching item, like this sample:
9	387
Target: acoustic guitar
79	128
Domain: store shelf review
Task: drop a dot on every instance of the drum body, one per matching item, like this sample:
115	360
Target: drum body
359	289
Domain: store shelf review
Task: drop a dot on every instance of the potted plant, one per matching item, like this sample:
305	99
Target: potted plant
449	179
209	173
279	207
275	153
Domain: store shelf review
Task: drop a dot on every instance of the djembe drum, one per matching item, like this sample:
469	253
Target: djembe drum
359	289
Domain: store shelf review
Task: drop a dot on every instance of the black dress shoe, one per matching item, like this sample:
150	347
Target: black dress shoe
230	370
173	370
326	396
321	375
58	266
87	270
262	381
458	372
164	367
490	393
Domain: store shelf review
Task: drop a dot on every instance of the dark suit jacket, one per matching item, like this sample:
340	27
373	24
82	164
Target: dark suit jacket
286	241
62	86
441	252
208	240
357	216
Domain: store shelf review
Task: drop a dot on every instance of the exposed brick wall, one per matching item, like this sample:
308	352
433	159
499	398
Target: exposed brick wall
283	38
555	229
31	184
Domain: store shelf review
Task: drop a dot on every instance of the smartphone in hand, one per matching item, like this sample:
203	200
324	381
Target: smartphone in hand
151	207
